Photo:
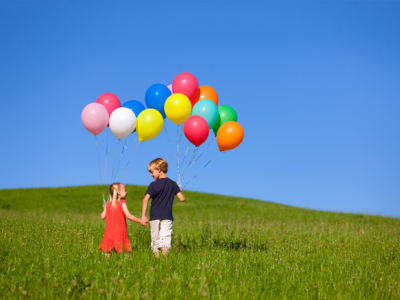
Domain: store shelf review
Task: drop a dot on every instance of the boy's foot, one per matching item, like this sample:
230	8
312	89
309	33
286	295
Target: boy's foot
164	251
157	254
108	254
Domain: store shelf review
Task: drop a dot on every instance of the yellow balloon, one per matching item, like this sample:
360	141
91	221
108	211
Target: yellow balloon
178	107
149	124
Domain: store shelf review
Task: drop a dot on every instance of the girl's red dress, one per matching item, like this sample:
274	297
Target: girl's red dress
115	233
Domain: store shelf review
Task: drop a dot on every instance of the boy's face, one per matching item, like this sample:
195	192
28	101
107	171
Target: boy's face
155	173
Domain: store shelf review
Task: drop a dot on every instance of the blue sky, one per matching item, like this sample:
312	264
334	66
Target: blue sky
315	85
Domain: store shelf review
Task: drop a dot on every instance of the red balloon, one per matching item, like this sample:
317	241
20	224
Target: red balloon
185	83
196	130
110	102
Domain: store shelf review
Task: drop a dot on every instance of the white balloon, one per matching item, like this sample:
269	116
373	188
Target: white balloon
122	122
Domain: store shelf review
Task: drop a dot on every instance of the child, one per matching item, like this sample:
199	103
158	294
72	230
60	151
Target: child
115	232
162	191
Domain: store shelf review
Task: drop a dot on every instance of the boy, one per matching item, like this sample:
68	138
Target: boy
162	192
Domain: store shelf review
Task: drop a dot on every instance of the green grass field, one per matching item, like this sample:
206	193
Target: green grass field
223	248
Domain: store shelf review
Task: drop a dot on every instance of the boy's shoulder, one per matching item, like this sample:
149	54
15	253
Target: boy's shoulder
161	180
169	179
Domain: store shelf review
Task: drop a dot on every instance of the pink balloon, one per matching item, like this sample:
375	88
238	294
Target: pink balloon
94	117
110	102
196	130
170	87
185	83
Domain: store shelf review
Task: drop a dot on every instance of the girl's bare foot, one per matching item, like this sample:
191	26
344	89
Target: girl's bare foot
157	254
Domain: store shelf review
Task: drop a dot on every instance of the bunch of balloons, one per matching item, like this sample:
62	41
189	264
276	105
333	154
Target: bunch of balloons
123	120
183	101
198	108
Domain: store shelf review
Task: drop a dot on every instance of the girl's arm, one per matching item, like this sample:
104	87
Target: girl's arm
103	214
130	216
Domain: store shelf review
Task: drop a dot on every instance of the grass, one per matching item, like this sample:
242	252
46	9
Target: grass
223	248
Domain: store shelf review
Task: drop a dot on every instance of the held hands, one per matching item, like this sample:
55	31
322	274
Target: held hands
144	221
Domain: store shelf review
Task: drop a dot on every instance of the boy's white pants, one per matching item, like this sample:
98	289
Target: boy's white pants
161	233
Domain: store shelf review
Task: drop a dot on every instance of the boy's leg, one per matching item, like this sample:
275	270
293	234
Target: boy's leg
165	235
155	235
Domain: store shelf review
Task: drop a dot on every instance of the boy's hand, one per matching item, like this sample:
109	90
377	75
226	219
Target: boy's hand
144	221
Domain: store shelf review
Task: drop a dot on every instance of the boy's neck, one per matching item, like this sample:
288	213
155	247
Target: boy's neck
162	175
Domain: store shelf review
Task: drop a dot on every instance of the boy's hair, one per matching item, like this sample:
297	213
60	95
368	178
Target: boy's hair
158	163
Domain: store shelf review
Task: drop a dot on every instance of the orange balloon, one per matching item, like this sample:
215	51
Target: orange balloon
205	92
229	135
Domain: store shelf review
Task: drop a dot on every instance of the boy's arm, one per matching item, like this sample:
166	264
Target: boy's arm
103	214
144	206
181	196
132	217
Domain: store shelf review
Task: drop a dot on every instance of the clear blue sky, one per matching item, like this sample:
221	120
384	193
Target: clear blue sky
315	85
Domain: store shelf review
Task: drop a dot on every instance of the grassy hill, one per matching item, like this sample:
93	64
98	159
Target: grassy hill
223	248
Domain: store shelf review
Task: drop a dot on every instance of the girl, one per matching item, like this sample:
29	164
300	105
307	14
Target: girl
115	233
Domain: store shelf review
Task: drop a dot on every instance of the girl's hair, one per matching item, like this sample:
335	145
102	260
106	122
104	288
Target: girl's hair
114	189
158	163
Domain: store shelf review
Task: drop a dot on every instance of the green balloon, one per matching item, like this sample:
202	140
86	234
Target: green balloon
225	114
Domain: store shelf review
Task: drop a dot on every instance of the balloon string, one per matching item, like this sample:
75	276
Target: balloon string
191	161
196	158
98	158
124	146
199	152
99	166
180	133
185	154
168	137
114	165
177	156
204	150
197	174
106	158
135	147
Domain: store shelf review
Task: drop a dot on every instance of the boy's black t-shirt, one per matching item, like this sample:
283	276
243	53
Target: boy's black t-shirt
162	191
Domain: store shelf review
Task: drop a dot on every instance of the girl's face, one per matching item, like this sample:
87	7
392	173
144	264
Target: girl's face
122	192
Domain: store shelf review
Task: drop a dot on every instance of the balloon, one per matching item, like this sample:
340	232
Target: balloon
226	113
196	130
178	108
110	102
229	136
135	106
185	83
149	124
122	122
169	86
206	92
208	110
94	117
156	95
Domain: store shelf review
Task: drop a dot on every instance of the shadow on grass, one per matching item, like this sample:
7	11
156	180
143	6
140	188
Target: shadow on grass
216	243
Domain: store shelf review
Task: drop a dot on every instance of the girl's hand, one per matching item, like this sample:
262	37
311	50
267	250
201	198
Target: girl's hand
144	221
103	214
